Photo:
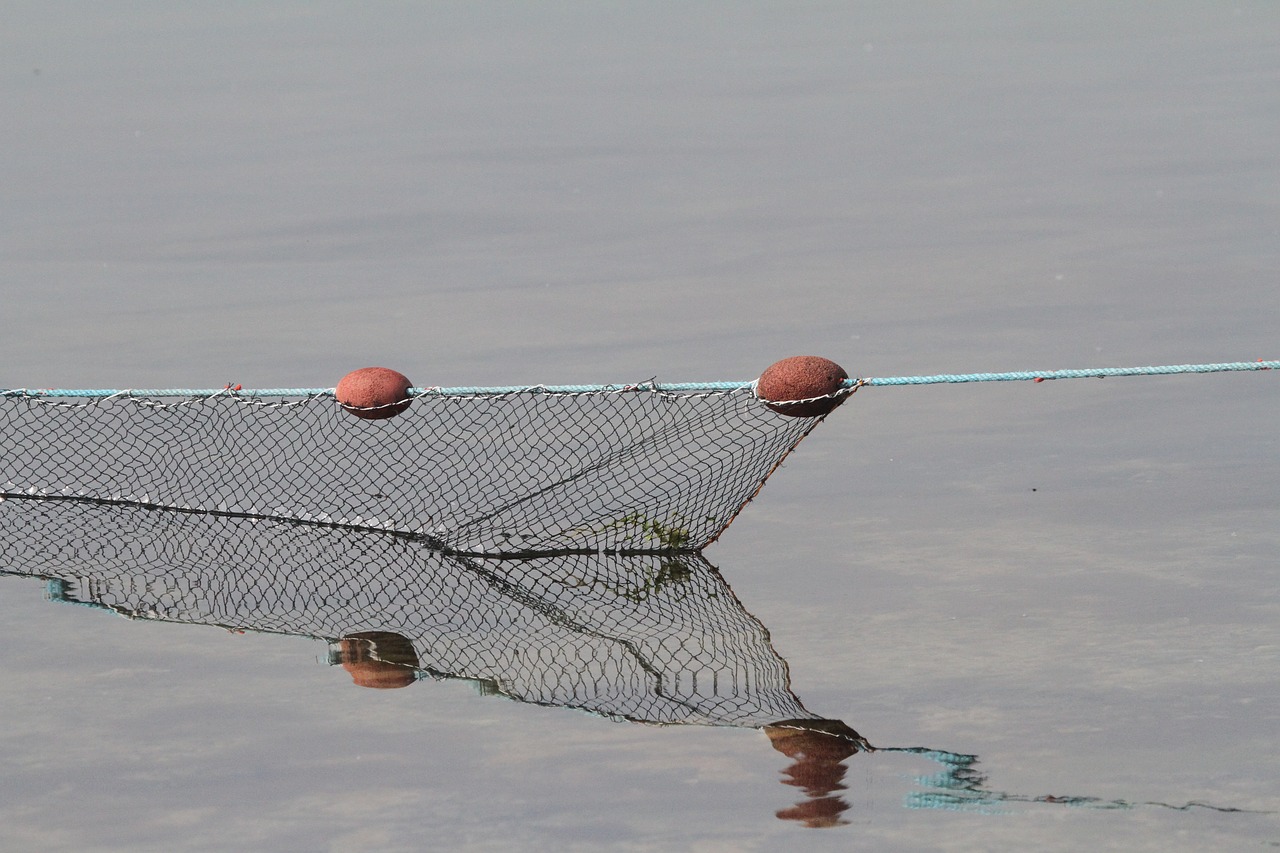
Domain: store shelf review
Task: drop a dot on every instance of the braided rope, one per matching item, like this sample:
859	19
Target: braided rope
1090	373
665	387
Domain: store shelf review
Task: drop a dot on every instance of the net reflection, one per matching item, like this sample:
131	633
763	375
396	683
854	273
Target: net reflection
654	638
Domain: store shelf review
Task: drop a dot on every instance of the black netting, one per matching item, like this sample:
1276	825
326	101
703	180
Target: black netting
652	638
526	472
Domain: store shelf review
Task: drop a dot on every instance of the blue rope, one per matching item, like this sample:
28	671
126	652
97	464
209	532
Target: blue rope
669	387
1042	375
462	391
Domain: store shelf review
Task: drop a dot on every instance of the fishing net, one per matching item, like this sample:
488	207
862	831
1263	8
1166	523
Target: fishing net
522	472
649	638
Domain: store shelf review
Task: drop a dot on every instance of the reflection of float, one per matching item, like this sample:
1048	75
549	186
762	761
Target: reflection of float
377	659
819	749
649	638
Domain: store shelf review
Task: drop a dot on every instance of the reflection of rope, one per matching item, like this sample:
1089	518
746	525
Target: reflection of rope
960	787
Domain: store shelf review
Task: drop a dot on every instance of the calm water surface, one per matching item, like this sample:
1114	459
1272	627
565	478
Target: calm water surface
1075	582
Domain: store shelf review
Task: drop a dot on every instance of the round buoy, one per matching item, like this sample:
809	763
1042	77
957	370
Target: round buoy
802	377
374	392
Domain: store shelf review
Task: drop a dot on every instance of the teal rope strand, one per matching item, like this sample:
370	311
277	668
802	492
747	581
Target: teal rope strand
669	387
1042	375
464	391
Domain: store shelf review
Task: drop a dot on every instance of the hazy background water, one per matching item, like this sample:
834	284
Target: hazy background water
1075	581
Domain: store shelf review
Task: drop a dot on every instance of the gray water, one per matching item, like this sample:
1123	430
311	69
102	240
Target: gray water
1074	581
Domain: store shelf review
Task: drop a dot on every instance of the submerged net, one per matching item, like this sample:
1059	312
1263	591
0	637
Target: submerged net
649	638
528	471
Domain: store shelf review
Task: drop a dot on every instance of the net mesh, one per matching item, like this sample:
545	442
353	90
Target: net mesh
649	638
640	469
